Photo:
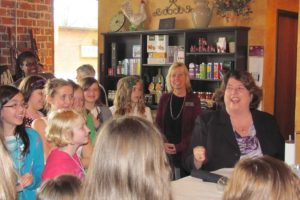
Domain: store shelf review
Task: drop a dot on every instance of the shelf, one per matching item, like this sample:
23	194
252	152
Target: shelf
208	80
157	65
209	54
177	37
116	76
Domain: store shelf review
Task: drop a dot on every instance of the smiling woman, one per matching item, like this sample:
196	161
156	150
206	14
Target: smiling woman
235	131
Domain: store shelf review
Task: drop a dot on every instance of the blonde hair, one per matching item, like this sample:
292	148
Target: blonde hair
262	178
64	187
122	101
60	125
52	85
8	174
186	74
128	162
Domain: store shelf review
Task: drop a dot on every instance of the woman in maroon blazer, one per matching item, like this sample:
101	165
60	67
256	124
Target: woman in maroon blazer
177	111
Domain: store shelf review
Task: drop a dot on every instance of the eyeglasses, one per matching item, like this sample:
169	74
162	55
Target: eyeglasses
238	89
16	105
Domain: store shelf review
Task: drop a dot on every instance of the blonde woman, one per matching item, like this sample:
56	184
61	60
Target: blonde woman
8	174
128	163
262	178
176	115
129	99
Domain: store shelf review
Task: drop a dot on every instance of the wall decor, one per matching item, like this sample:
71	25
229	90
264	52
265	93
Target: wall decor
167	23
172	9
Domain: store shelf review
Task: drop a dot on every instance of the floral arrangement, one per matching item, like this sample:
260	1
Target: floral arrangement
238	7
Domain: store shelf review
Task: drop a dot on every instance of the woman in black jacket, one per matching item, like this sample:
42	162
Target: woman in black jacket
221	138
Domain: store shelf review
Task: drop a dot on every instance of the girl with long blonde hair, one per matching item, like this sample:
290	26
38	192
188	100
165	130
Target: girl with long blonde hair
129	99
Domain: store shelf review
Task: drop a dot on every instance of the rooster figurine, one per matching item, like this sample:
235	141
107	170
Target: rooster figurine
135	19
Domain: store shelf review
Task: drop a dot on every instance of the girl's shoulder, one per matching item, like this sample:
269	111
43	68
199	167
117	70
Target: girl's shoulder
32	134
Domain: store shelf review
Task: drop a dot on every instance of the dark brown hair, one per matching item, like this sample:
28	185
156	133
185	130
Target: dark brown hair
29	84
247	80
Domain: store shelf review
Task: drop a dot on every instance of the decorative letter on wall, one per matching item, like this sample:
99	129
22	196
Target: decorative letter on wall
172	9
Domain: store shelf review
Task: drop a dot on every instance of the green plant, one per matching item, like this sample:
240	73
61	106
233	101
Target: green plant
238	7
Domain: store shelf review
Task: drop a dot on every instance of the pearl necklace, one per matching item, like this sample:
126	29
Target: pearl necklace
171	112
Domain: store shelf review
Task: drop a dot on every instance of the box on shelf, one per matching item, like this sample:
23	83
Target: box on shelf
136	51
157	43
179	54
162	43
157	61
151	43
157	55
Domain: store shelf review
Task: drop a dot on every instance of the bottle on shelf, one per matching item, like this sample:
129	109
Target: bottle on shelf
159	86
119	68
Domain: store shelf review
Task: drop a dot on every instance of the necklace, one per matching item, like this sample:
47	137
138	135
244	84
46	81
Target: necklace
171	109
79	164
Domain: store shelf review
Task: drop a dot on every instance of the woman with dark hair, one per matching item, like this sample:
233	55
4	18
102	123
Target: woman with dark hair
221	138
26	64
92	101
32	89
24	145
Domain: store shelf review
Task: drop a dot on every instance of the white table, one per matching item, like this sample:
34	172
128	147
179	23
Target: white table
190	188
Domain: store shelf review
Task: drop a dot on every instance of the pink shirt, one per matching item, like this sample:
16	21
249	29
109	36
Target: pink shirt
59	163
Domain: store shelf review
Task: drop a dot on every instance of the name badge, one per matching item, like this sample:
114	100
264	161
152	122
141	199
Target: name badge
189	104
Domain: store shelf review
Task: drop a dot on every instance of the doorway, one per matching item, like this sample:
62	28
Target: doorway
76	36
285	78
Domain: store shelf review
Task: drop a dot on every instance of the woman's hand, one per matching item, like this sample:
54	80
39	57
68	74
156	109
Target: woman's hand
199	156
26	180
170	148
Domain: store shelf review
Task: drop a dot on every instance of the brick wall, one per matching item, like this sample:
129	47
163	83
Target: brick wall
21	16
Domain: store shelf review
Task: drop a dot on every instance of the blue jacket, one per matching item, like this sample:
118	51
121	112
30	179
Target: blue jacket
32	162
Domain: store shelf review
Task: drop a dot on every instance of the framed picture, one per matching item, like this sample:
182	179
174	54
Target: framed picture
167	23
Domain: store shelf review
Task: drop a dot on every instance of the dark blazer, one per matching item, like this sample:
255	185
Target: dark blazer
190	111
214	131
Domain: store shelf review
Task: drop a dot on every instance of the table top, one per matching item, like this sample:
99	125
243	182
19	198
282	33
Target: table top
189	188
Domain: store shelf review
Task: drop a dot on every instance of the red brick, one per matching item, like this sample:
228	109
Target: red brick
2	11
6	52
20	13
34	15
21	29
7	21
8	4
42	8
2	44
25	22
26	6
